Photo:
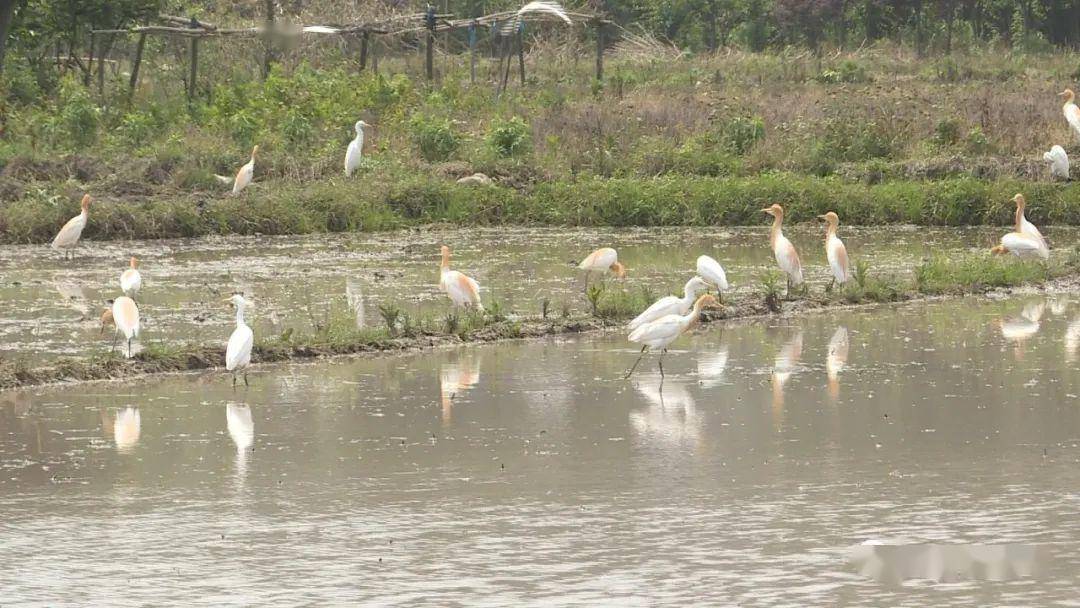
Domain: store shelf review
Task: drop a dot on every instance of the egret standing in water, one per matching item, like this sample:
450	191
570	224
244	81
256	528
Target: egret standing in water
243	176
671	305
238	351
130	279
68	238
1072	113
354	153
835	251
784	252
1023	226
602	260
713	273
1020	245
125	315
663	331
462	290
1059	162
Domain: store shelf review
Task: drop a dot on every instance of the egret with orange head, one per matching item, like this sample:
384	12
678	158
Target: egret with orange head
663	331
68	238
462	290
784	252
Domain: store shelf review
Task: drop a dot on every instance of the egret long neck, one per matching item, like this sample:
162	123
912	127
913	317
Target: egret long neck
775	232
240	315
830	230
1018	218
445	265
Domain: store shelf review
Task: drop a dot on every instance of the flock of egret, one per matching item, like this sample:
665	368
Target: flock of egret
656	327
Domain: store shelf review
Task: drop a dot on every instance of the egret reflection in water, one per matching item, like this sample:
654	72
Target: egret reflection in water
671	415
354	295
456	377
1072	339
785	365
836	359
1018	329
942	563
127	426
241	427
711	367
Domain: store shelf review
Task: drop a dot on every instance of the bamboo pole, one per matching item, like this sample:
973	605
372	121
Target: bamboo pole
89	62
472	53
599	51
521	51
101	68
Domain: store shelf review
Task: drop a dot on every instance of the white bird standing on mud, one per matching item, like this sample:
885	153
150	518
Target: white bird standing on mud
130	279
462	290
238	351
784	252
68	237
601	261
835	251
671	305
354	153
1059	162
1023	226
713	273
243	176
663	331
1072	113
125	315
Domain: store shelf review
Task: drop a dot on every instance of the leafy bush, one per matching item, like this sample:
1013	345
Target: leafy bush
433	137
847	72
740	134
947	132
509	137
79	116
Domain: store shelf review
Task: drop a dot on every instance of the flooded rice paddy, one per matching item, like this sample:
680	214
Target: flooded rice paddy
51	307
531	473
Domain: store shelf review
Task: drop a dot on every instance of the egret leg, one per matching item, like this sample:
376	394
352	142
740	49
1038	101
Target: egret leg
129	347
832	284
636	362
234	379
112	347
788	293
660	362
245	379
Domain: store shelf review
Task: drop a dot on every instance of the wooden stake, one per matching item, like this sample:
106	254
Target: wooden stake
135	64
472	52
429	58
89	62
599	51
521	55
101	68
363	50
194	67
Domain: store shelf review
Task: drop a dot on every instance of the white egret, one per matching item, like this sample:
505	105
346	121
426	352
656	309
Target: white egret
784	252
354	153
130	279
238	351
663	331
124	314
671	305
68	238
462	290
713	273
1059	162
835	251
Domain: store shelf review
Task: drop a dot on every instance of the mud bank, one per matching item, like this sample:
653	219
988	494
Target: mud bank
189	357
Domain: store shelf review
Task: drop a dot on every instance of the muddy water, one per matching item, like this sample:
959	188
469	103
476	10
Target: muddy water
532	474
51	307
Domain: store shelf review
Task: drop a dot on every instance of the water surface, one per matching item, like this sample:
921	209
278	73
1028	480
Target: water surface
533	474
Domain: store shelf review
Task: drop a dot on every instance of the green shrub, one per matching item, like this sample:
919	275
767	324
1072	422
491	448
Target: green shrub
509	137
433	137
947	132
741	134
847	72
79	116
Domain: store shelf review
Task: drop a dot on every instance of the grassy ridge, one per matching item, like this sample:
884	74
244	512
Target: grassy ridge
360	205
610	307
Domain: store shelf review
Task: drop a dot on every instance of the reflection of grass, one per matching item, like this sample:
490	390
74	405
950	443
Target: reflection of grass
337	334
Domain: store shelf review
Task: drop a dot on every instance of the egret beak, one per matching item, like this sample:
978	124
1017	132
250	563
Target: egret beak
821	217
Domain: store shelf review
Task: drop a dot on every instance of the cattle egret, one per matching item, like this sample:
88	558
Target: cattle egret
601	261
1072	113
663	331
671	305
68	238
354	153
835	251
1020	245
238	351
130	279
125	315
1059	162
244	175
713	273
461	289
786	256
1023	226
